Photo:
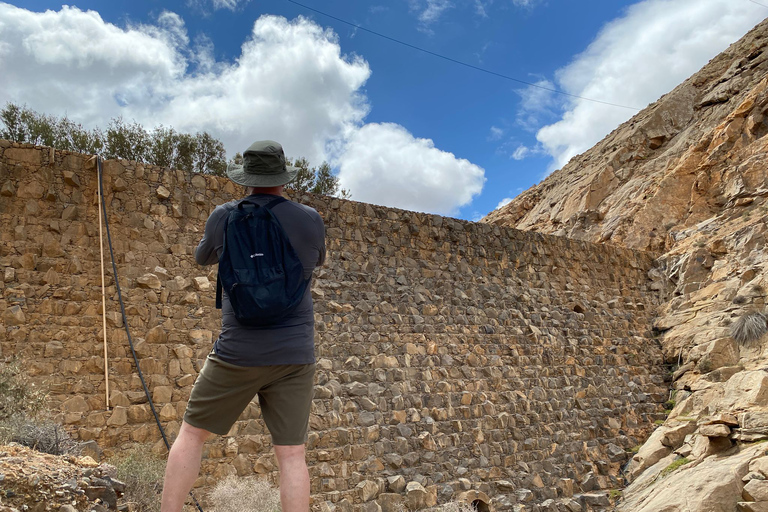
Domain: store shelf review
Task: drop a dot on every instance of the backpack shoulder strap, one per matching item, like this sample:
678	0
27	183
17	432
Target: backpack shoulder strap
271	204
275	202
218	291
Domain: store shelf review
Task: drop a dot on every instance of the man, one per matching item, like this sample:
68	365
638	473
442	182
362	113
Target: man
276	362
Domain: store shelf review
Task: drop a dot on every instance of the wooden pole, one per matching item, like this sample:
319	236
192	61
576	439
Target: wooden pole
103	287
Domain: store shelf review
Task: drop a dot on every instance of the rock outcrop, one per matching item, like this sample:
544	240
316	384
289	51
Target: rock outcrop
39	482
688	178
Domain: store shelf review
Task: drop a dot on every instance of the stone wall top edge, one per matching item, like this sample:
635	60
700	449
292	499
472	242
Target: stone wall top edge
374	211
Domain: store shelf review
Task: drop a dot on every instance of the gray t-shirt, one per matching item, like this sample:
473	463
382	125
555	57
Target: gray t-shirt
291	341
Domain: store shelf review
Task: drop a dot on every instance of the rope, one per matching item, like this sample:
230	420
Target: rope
125	321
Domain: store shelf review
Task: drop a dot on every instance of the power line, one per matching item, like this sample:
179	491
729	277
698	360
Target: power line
758	3
449	59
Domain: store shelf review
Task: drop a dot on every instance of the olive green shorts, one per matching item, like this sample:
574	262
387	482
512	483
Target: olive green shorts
223	390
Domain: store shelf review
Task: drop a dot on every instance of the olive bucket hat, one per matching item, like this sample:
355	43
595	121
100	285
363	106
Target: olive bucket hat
263	166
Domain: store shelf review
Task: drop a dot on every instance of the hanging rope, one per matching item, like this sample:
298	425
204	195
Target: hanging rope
125	321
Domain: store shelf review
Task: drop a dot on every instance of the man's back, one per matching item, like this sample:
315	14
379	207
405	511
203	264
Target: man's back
289	341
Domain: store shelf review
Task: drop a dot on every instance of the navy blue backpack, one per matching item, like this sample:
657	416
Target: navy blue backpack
258	267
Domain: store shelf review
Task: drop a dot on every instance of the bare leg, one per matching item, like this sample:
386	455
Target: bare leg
294	478
183	466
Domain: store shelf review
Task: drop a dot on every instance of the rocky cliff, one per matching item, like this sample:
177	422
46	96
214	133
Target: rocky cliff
687	178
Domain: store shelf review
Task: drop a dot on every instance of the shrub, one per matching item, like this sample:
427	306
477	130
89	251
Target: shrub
457	506
142	472
38	434
21	405
705	365
749	327
18	396
245	495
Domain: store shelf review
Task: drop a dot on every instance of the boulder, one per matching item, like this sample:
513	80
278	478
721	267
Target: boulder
714	485
652	451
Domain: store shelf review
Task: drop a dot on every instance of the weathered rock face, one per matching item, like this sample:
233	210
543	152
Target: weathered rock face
454	359
695	153
688	177
41	482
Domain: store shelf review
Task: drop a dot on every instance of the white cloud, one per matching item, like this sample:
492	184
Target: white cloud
496	133
538	104
204	6
290	83
225	4
521	152
429	11
503	202
385	164
636	59
480	8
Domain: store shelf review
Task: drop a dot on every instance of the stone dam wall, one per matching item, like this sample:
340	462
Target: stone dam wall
455	360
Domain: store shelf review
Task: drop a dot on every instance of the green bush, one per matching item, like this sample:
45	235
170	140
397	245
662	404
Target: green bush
142	472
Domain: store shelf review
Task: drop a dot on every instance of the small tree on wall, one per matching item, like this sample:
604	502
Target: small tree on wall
317	180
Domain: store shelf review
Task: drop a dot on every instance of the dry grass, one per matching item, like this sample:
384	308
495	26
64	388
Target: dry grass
18	396
39	434
453	506
749	327
21	413
142	472
245	495
456	506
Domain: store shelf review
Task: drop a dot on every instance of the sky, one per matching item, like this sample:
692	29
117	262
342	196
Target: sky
450	107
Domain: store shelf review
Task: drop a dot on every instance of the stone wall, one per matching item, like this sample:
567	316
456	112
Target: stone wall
467	360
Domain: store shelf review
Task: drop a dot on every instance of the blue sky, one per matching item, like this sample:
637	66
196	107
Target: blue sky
401	127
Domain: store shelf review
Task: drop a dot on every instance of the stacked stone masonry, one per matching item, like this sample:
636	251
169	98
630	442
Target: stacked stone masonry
452	356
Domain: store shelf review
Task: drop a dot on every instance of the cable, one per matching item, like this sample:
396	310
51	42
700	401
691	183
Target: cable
758	3
125	320
449	59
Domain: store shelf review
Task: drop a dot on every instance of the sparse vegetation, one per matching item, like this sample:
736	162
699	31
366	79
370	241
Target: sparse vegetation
456	506
245	495
18	395
21	405
740	299
749	327
39	434
672	467
615	494
142	471
705	365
